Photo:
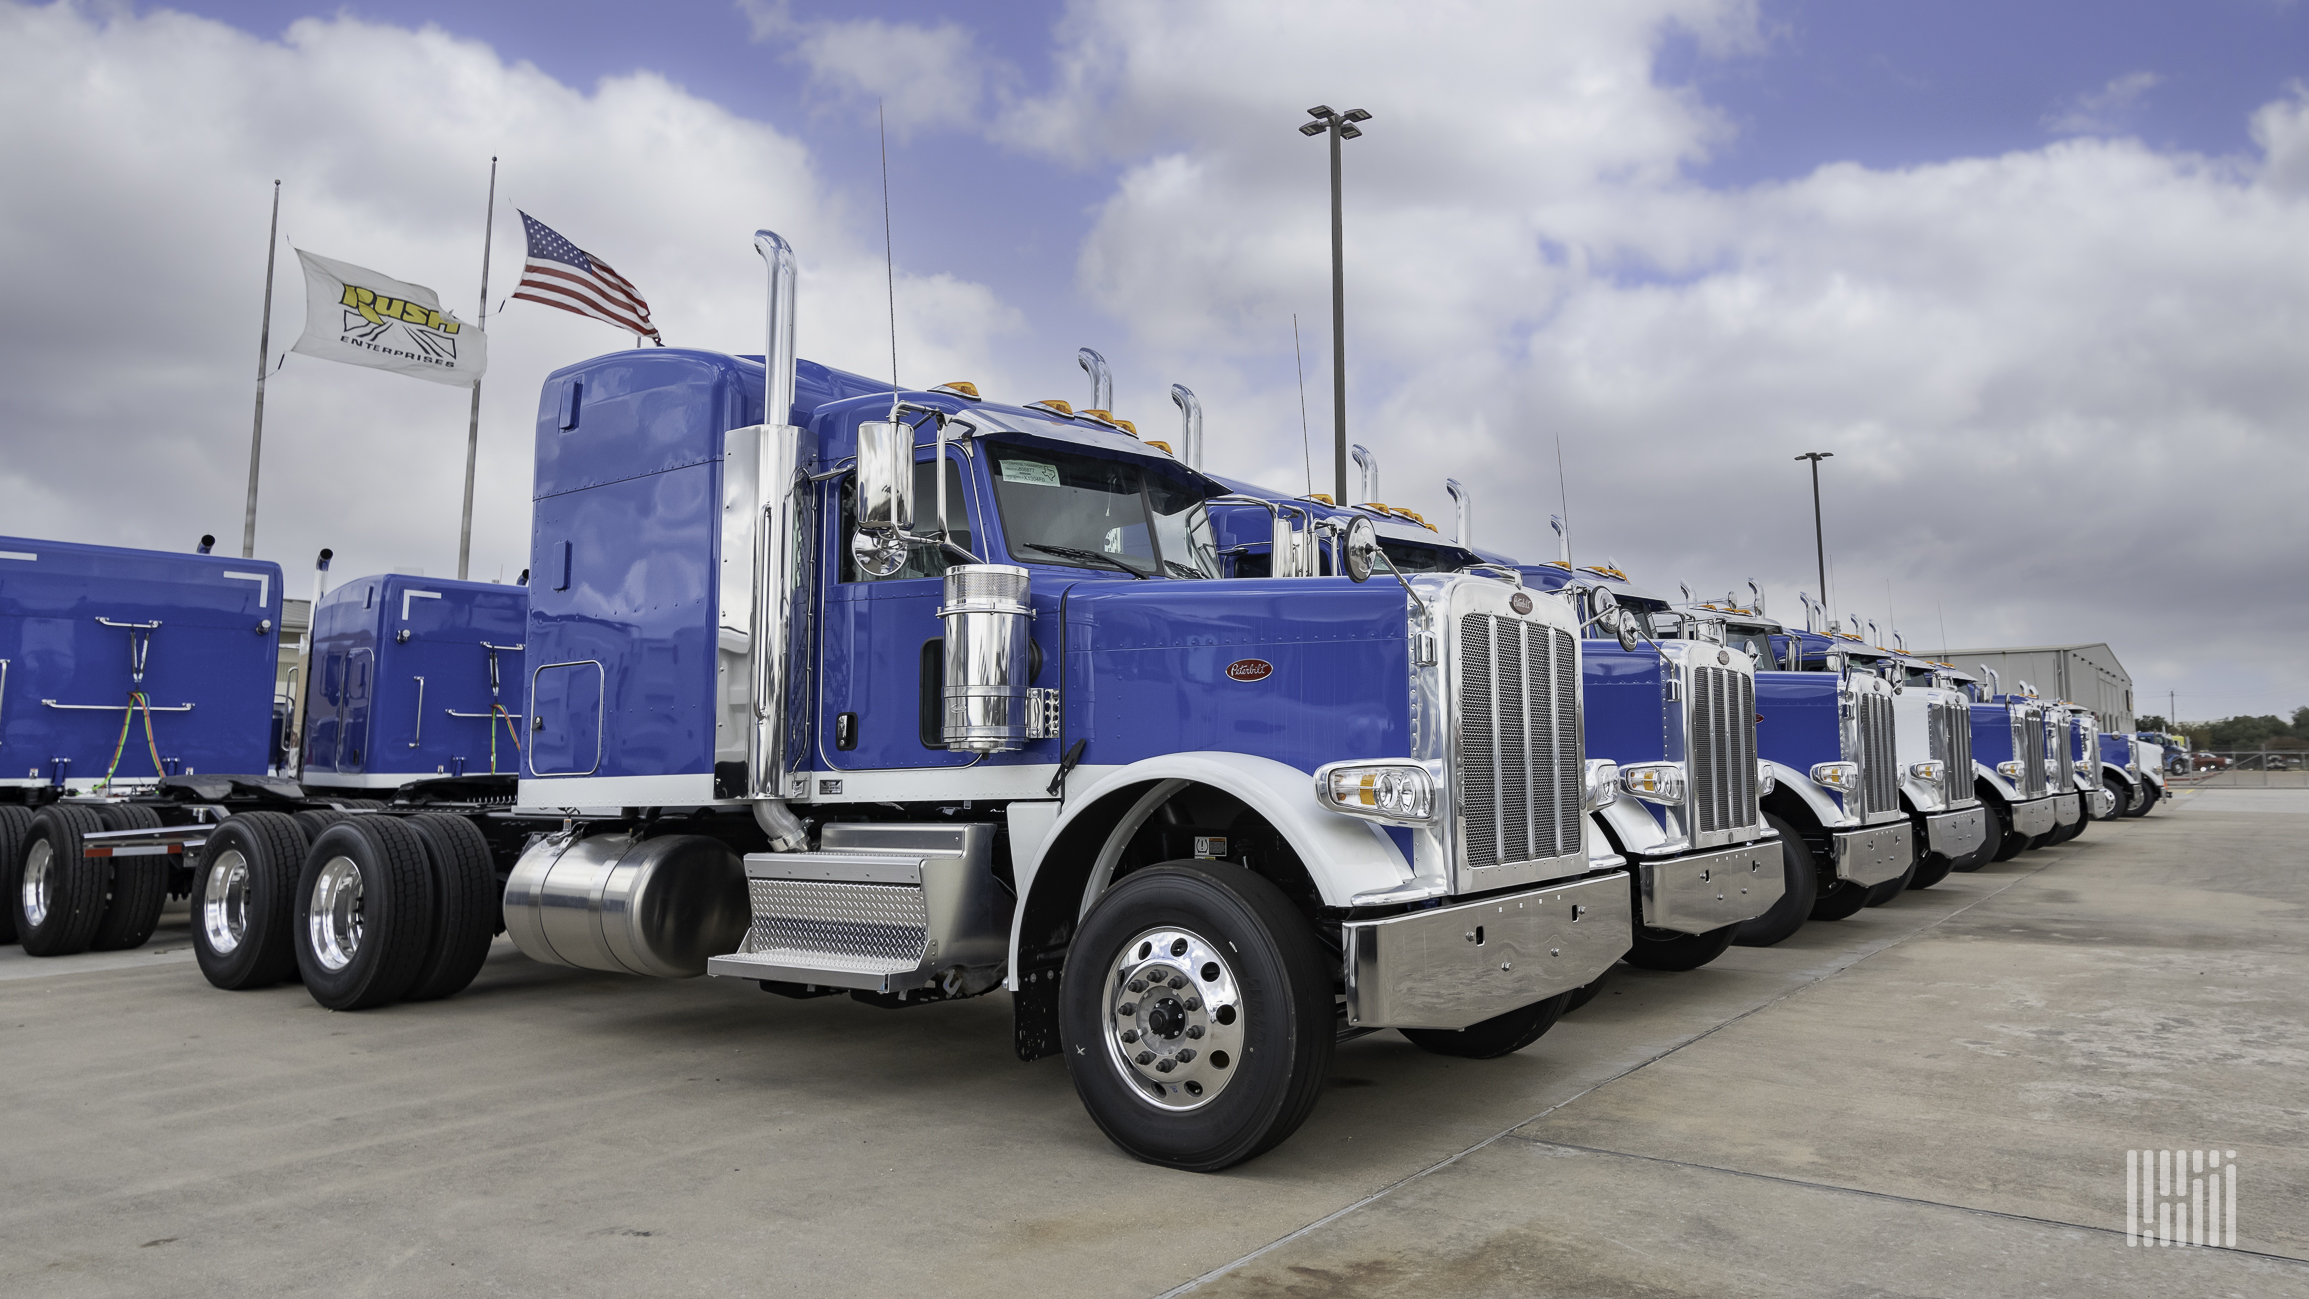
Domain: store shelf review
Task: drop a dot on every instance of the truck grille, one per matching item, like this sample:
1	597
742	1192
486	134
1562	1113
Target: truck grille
1723	749
1517	751
2028	751
1879	777
1952	747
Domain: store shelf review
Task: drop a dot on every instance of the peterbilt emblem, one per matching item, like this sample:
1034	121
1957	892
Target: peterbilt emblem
1723	656
1250	670
1519	602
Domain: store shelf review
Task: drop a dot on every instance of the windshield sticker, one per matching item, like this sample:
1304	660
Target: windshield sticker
1029	471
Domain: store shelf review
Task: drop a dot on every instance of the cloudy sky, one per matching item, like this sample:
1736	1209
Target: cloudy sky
2037	275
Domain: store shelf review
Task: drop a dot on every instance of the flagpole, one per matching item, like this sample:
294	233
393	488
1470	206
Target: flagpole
264	355
473	427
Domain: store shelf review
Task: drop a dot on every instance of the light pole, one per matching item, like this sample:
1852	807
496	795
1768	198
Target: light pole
1819	541
1339	126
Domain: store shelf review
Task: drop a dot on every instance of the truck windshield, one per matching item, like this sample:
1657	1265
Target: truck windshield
1080	511
1411	557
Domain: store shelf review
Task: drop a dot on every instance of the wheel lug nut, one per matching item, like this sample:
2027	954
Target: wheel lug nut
1137	985
1187	1056
1178	982
1127	1008
1130	1035
1146	1057
1194	1030
1165	1065
1194	1003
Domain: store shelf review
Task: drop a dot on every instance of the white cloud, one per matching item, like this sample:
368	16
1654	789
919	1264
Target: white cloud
2063	385
923	76
2102	111
132	241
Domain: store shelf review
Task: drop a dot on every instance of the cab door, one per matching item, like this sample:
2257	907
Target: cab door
881	648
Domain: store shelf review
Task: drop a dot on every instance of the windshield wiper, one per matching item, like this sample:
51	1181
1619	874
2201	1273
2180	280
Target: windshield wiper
1184	570
1086	556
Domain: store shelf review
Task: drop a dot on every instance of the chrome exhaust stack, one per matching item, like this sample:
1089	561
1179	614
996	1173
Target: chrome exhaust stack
1369	464
1101	378
1190	425
1465	505
765	609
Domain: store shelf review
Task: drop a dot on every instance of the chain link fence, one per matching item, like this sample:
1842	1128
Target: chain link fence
2242	769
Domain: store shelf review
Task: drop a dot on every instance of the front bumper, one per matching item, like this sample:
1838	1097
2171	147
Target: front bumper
1450	967
2102	802
1709	890
1874	855
2035	817
1954	834
2067	809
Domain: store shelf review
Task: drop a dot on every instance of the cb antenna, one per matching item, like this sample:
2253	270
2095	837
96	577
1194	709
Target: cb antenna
1563	489
889	256
1305	451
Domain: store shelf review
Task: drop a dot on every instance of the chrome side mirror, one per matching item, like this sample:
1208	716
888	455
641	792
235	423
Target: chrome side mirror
885	496
1361	551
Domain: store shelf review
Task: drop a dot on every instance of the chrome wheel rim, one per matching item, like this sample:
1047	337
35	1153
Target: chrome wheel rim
224	902
1175	1019
337	920
39	881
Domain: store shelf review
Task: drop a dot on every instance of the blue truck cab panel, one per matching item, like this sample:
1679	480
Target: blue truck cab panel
94	636
1245	537
412	677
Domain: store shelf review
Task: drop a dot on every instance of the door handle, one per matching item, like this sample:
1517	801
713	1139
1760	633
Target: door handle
420	736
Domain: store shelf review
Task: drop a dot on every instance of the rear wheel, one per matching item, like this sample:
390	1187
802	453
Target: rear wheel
364	913
1500	1035
15	819
244	901
464	905
1196	1015
138	885
1667	949
1801	886
59	894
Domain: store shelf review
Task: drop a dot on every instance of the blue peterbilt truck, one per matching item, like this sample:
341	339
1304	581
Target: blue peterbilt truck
2131	788
1827	733
1674	720
2016	751
122	672
915	695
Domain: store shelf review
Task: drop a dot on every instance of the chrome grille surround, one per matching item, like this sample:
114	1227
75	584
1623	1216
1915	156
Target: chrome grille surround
1498	718
2087	749
1718	747
2028	749
1868	739
1951	735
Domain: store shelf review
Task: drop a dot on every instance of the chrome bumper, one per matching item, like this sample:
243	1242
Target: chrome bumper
2034	817
1873	855
1953	834
2103	802
2067	808
1709	890
1455	966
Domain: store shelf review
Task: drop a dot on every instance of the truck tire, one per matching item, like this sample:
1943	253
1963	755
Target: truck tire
57	894
2146	799
313	820
2009	843
1879	894
1800	889
465	905
364	913
1982	855
1500	1035
244	901
1588	992
2120	798
1667	949
1253	1003
15	819
1841	902
138	886
1931	870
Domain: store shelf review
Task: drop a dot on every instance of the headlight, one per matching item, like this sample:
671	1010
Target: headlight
1766	782
1603	784
1654	782
2133	767
1928	772
2008	770
1843	777
1383	791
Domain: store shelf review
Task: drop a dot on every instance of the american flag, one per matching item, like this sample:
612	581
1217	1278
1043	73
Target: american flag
561	274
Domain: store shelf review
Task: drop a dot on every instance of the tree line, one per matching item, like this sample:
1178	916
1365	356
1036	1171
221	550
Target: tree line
2242	732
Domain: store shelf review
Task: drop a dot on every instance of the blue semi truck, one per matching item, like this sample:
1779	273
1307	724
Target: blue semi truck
2015	750
916	695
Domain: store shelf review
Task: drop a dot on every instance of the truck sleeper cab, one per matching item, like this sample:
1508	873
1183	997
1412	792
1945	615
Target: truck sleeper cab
1676	717
410	677
120	670
916	695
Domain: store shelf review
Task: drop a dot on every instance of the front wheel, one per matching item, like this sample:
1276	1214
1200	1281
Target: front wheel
1800	887
1196	1015
2145	800
1497	1036
1666	949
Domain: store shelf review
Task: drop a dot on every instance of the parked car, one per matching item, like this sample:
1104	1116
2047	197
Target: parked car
2212	761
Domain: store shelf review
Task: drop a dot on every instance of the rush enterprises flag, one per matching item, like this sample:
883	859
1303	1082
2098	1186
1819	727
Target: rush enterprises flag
359	317
560	274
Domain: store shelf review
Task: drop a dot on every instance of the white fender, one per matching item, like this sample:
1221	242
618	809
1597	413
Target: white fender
2113	775
1345	855
1996	781
1825	809
1638	829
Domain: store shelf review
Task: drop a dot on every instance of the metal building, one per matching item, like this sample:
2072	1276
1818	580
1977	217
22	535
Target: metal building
2082	674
